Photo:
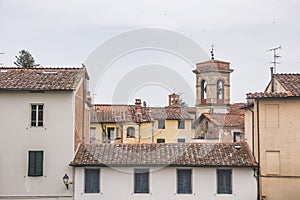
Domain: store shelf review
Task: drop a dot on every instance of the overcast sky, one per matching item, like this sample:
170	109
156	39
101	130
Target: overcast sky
66	32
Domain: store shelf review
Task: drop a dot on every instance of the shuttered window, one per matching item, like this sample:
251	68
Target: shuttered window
35	163
91	181
224	181
184	181
141	181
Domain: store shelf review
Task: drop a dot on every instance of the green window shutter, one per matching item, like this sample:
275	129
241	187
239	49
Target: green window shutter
184	181
35	163
92	182
224	181
141	181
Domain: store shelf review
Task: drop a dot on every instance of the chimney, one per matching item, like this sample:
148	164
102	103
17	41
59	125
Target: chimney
174	100
138	106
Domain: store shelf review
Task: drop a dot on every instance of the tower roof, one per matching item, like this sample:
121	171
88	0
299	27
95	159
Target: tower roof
213	65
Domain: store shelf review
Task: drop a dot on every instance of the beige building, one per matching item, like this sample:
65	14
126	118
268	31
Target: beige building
272	125
141	124
217	120
220	127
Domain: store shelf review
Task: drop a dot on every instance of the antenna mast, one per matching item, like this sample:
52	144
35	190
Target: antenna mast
275	57
212	52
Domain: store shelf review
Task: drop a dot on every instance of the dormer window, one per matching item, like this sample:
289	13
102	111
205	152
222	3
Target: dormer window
220	91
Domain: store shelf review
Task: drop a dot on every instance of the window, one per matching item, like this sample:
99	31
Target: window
237	137
224	181
110	134
37	111
203	90
181	124
184	181
160	140
92	135
181	140
91	180
130	132
35	163
220	90
141	181
161	124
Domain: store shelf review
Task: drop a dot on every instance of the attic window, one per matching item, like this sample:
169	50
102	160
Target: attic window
49	72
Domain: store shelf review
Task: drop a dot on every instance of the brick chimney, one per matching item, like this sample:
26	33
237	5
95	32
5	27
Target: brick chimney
174	100
138	106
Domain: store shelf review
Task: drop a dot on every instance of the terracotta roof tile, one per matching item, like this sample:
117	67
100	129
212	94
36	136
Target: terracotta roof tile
268	95
228	119
290	82
163	154
40	79
105	113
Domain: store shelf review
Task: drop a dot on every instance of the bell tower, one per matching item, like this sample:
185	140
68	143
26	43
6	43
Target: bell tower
212	86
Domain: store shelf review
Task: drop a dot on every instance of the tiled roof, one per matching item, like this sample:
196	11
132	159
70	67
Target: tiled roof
40	79
105	113
268	95
236	108
164	154
228	120
290	82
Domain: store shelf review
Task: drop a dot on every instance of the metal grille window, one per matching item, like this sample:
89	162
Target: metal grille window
161	124
224	181
35	163
91	180
141	180
37	114
184	181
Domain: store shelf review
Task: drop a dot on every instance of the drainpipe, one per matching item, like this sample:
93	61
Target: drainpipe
259	186
252	132
83	105
139	132
272	79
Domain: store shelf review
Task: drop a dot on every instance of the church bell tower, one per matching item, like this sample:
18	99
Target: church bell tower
212	86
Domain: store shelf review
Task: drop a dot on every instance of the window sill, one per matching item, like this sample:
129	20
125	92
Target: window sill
141	194
225	195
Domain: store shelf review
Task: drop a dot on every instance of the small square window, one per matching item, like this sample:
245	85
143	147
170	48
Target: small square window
160	140
181	140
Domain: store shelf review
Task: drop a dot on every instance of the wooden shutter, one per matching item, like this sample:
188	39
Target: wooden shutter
224	181
184	181
35	163
141	181
92	181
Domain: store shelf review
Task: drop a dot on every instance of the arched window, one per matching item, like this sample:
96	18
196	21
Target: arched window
130	132
203	89
220	91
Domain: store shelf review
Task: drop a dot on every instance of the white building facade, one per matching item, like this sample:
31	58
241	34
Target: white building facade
38	131
164	171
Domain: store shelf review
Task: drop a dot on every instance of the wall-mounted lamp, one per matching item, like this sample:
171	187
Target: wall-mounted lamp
66	181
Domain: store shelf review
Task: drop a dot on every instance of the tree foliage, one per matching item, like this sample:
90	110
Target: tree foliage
25	60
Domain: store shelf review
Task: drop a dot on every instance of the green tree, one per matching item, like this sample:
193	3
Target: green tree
25	60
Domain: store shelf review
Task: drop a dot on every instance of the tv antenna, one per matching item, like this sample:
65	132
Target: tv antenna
275	57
